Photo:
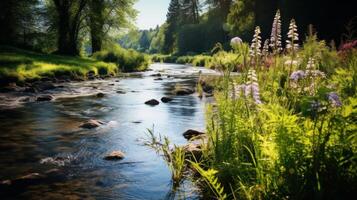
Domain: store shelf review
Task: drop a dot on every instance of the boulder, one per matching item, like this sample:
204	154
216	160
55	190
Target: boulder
158	79
152	102
192	133
184	91
114	155
166	99
46	97
90	124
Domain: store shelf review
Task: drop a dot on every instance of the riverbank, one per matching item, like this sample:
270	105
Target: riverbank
21	66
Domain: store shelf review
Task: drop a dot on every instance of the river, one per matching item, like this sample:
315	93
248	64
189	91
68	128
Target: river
35	133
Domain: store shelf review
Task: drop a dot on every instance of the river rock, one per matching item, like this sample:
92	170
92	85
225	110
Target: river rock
192	133
157	75
42	86
121	92
100	95
158	79
152	102
184	91
11	87
114	155
90	124
30	90
193	149
29	179
46	97
166	99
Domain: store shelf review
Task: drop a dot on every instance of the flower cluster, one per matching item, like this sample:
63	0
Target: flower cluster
297	75
255	51
275	37
236	41
293	37
252	87
334	99
265	51
311	72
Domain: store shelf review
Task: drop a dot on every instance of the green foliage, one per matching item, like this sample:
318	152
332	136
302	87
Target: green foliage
211	180
20	65
126	60
174	157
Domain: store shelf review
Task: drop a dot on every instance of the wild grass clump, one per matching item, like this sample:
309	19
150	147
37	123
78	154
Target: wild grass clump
20	65
126	60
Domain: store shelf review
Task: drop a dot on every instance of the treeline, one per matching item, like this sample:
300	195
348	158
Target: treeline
195	26
62	26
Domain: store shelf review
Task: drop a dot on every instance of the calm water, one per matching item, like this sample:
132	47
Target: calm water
35	131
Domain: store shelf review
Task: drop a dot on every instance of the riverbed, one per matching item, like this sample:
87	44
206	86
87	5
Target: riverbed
39	136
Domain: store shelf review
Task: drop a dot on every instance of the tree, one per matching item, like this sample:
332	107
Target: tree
190	11
69	21
107	15
18	21
173	20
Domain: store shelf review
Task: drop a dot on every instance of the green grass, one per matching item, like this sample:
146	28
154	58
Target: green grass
127	60
22	65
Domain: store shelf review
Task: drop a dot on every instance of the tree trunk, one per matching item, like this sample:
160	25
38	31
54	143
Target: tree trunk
96	21
69	14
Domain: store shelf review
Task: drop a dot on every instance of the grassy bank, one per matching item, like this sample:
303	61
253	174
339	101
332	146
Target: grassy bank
21	65
18	65
216	61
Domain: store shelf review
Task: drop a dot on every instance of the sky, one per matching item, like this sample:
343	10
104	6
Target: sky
151	13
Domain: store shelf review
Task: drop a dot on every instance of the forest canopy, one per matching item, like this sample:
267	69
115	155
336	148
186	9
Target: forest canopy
194	26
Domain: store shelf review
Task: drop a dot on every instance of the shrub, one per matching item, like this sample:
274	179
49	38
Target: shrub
126	60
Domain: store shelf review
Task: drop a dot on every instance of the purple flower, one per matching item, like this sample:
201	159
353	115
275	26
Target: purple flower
334	99
297	75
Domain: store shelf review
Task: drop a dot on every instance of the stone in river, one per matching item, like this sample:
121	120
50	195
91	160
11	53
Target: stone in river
114	155
166	99
121	92
90	124
152	102
100	95
158	79
158	75
184	91
45	98
192	133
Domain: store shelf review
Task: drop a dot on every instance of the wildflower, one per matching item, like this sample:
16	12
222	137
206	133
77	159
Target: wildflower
291	62
310	64
297	75
236	41
238	90
255	51
252	87
265	51
334	99
275	37
293	37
